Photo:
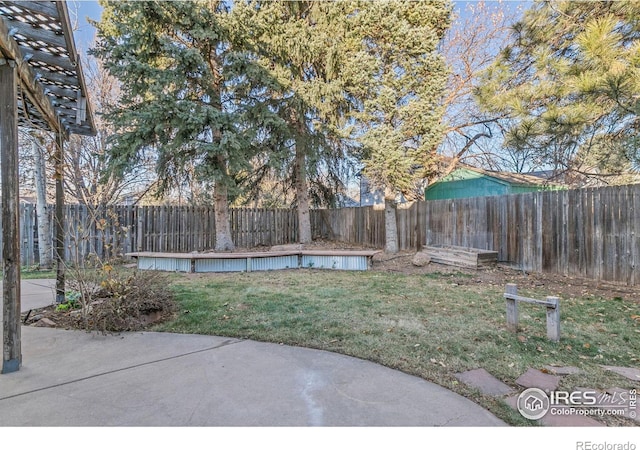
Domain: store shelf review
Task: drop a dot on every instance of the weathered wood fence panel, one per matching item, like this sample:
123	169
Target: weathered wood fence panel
365	225
28	227
592	232
115	230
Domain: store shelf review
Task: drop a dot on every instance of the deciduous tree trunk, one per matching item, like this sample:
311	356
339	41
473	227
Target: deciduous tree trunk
302	195
390	222
44	229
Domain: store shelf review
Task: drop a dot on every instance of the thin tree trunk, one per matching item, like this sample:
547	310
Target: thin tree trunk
44	229
302	194
224	242
59	218
390	222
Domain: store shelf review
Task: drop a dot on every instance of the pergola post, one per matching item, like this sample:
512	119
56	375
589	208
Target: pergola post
59	217
34	66
11	336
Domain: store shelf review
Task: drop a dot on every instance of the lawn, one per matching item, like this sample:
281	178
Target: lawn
31	274
429	325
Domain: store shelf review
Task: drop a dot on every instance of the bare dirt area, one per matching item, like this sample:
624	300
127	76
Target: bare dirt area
500	274
103	314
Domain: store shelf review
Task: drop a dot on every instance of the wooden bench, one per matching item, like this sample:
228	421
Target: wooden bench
553	311
255	261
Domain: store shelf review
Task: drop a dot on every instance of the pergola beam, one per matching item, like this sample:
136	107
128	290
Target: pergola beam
47	58
35	34
30	85
46	8
61	78
63	14
60	92
83	105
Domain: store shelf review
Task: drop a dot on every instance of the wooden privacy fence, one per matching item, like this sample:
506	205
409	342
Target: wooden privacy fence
192	228
102	232
116	230
365	226
594	233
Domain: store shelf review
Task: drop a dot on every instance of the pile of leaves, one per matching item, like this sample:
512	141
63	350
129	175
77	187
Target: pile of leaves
121	302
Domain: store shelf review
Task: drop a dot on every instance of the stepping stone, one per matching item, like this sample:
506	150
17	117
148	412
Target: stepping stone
567	370
627	372
534	378
484	382
44	322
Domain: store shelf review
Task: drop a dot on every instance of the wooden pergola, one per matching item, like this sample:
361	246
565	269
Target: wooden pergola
41	86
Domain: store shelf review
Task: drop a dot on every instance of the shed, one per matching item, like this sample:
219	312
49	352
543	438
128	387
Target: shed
468	181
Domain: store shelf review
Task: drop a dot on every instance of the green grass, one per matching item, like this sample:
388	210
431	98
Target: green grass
27	273
432	326
31	273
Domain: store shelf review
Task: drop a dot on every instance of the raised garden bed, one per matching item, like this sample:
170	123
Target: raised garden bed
255	261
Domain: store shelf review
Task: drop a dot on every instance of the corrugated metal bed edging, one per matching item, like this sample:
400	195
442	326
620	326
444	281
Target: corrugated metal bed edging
255	261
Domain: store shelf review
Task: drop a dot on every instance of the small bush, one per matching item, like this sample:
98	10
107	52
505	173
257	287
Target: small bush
71	301
126	301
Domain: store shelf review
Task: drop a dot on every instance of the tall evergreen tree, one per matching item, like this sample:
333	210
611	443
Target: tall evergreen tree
358	71
570	80
398	77
301	43
334	72
190	92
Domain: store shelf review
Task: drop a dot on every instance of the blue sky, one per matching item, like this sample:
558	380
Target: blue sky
81	9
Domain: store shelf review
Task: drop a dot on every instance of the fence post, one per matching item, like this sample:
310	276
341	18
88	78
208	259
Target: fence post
553	319
512	308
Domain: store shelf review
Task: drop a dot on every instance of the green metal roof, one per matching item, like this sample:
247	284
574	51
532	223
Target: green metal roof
467	181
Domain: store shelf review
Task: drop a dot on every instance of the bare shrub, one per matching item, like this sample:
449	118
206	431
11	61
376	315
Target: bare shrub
130	302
